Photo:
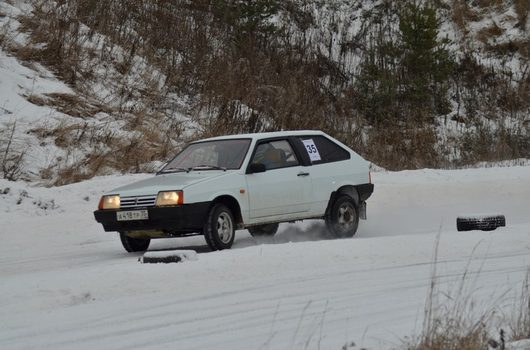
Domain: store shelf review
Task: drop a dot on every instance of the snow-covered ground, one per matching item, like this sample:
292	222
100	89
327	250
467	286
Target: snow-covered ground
66	284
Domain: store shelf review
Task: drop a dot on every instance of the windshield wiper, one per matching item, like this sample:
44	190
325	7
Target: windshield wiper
208	167
174	170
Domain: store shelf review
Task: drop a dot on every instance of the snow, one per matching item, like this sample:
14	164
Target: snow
519	345
67	284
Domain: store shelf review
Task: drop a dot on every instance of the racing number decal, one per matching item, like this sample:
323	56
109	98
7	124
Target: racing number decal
312	150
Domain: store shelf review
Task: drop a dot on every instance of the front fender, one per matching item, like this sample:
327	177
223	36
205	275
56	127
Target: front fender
233	185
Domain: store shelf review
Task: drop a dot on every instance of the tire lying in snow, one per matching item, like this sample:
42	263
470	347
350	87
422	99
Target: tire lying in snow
480	222
170	256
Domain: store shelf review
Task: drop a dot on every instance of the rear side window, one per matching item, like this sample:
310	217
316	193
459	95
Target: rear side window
322	150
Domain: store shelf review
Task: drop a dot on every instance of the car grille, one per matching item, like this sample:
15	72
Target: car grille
137	202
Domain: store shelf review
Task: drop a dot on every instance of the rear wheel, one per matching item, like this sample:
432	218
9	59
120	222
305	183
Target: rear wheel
134	244
267	230
219	230
343	218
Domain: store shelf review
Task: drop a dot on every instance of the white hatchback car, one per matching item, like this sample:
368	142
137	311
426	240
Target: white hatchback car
255	181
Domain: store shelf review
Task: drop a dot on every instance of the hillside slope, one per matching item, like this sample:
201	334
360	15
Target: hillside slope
430	84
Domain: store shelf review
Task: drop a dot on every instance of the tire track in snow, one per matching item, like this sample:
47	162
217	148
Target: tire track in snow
256	310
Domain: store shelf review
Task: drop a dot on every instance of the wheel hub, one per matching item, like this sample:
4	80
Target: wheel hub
346	216
224	227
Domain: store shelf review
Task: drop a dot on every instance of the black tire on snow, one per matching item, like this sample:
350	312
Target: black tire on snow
267	230
219	230
134	244
342	220
483	223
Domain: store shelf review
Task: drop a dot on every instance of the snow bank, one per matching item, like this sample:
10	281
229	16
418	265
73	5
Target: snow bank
519	345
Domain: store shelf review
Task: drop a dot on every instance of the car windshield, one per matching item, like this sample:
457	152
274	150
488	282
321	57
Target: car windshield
210	155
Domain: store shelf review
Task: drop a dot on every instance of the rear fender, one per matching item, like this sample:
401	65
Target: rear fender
353	193
349	190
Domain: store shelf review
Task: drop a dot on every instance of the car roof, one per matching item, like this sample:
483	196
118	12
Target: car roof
265	135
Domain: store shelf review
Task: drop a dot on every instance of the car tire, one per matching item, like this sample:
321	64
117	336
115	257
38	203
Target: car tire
134	244
482	223
342	220
219	230
267	230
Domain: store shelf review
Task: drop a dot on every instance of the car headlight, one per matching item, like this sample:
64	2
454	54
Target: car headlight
109	202
169	198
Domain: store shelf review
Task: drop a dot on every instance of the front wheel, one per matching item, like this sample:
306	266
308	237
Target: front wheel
343	219
219	230
134	244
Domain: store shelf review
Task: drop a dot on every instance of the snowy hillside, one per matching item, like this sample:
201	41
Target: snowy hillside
85	91
67	284
59	132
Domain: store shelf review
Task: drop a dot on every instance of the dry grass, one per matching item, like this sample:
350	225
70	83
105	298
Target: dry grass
522	8
453	332
3	33
520	325
12	153
71	135
489	3
36	100
456	324
99	150
511	47
75	105
451	324
26	53
402	147
485	34
462	13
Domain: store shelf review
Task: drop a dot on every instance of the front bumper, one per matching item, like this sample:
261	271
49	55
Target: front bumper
177	220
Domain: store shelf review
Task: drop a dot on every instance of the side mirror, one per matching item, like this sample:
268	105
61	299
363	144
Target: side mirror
256	168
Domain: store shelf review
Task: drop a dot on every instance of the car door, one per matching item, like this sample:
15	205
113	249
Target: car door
329	169
283	191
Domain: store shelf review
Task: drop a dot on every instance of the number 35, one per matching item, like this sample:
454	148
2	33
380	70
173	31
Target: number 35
311	149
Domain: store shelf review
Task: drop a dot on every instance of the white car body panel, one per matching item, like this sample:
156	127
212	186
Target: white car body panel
278	192
165	182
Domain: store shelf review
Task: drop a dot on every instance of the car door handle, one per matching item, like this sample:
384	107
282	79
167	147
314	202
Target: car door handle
303	174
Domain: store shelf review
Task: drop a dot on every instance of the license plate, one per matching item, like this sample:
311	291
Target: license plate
132	215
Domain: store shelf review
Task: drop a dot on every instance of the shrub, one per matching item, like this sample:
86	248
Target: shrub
235	66
520	325
522	8
12	153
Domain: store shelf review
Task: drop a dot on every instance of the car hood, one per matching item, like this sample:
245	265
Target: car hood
167	182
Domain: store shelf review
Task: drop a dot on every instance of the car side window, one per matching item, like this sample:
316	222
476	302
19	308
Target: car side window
322	150
275	155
